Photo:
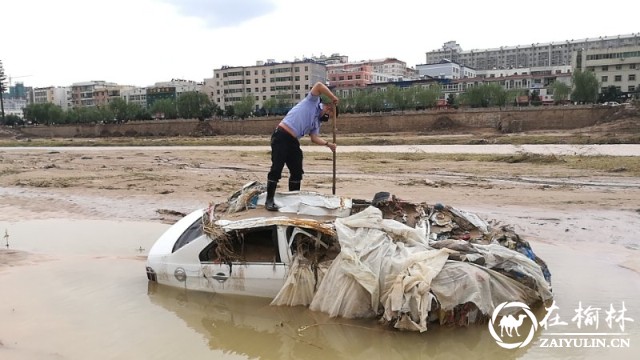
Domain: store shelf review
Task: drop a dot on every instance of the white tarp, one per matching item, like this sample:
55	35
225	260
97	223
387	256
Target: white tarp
310	203
386	269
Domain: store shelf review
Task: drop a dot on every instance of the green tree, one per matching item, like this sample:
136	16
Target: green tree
585	87
137	112
451	99
11	120
561	91
194	104
244	107
427	97
120	109
270	105
485	95
165	108
46	113
610	93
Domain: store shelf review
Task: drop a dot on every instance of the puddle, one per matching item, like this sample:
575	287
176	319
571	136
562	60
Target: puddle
76	289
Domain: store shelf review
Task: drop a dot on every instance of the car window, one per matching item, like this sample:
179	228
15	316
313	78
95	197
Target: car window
258	244
312	244
194	231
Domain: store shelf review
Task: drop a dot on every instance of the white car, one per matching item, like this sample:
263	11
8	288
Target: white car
351	258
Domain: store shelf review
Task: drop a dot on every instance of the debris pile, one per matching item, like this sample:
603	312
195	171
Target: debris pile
408	264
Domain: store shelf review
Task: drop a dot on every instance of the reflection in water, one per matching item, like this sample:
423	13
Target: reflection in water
253	328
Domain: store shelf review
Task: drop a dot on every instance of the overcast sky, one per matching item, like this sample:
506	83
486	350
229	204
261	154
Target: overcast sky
140	42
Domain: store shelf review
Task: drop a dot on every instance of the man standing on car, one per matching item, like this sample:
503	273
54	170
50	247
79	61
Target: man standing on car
304	118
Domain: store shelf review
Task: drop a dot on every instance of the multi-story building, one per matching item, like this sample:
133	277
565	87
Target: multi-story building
82	93
349	75
60	96
102	95
286	81
135	95
619	67
529	55
18	91
14	106
445	69
170	90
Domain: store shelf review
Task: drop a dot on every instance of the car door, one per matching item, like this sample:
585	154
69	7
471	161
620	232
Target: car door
245	262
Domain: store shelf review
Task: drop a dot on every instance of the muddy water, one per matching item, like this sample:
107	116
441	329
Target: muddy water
77	290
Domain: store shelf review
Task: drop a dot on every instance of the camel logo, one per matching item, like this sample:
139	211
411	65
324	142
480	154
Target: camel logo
510	325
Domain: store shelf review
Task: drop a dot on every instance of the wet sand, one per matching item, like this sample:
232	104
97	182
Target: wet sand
79	224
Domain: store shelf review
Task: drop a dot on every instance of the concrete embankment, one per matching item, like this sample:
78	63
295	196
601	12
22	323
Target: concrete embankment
507	121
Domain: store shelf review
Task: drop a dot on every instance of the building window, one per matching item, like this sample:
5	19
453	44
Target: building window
618	78
632	88
257	89
248	82
632	77
618	67
296	69
264	80
255	81
632	66
604	79
264	97
605	68
257	98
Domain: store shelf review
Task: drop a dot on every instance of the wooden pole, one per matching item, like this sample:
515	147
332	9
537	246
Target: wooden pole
335	127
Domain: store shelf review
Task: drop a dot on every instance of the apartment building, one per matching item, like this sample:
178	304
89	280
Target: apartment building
170	90
83	93
528	55
60	96
14	106
350	75
135	95
619	67
286	81
445	69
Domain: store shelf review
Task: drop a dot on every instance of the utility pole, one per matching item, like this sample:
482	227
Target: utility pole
2	79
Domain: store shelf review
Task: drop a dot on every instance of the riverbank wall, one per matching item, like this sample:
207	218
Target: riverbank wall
420	122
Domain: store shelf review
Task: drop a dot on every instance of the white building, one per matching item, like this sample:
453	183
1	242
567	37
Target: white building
446	69
60	96
14	107
287	81
135	95
619	67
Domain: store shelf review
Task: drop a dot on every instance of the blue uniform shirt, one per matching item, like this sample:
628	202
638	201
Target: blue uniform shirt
303	118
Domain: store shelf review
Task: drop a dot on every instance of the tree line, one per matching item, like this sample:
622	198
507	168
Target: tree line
193	104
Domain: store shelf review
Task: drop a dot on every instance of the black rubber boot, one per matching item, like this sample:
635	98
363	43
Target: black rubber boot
269	204
294	185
